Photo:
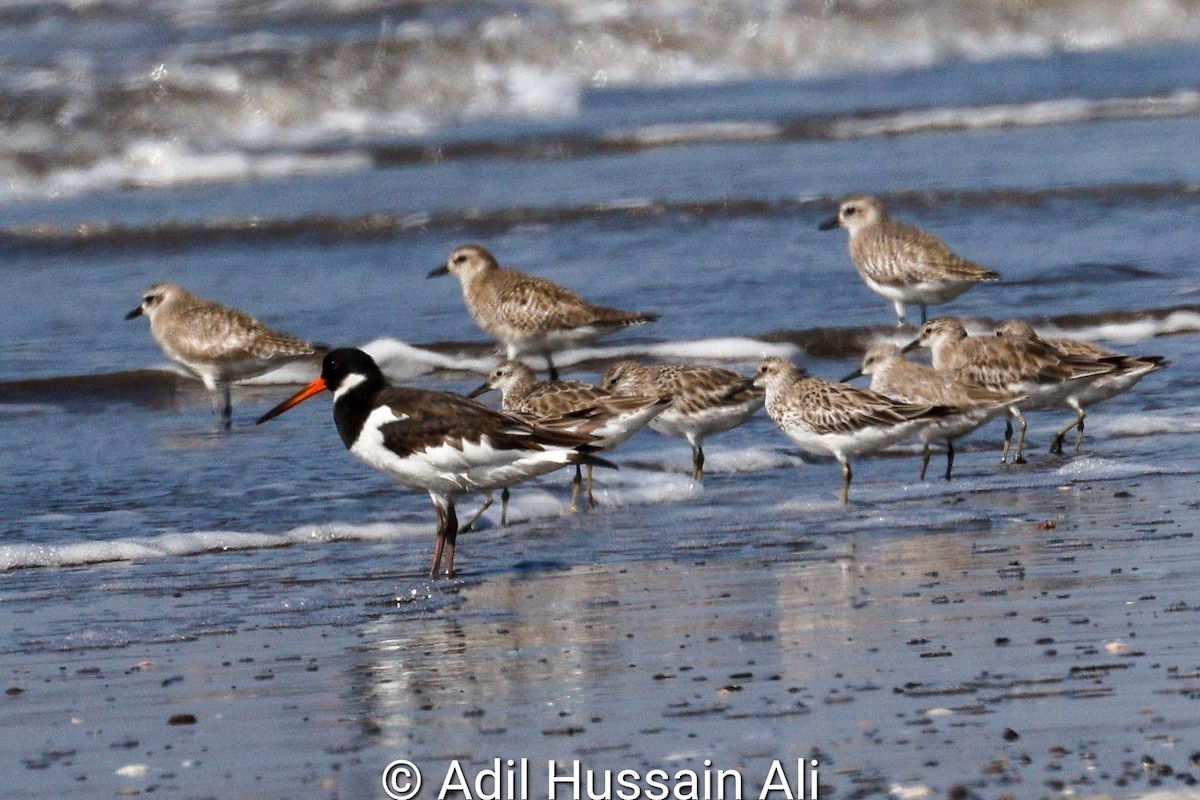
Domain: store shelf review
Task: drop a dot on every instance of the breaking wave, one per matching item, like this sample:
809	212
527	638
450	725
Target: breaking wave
108	95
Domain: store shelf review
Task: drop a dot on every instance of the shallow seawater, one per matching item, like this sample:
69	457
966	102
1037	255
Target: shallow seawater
247	614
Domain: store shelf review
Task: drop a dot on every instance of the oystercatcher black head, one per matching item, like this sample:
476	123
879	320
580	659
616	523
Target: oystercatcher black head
344	370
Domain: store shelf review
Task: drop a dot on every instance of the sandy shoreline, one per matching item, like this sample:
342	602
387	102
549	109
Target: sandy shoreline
1052	651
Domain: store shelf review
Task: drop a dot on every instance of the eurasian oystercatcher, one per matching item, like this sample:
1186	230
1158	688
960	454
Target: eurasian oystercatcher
443	443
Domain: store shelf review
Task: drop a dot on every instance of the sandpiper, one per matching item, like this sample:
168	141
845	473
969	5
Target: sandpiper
970	405
440	442
833	419
1026	367
216	343
704	400
1127	371
901	262
530	315
573	406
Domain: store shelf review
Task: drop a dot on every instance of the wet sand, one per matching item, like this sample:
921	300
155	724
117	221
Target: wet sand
1045	651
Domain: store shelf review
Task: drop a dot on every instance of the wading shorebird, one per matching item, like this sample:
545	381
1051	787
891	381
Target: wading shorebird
527	314
573	406
442	443
901	262
1037	372
704	400
833	419
1127	371
218	344
969	404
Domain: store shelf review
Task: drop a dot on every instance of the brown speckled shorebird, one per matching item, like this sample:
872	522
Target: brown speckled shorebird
571	406
1127	371
216	343
527	314
1027	367
901	262
833	419
704	400
970	405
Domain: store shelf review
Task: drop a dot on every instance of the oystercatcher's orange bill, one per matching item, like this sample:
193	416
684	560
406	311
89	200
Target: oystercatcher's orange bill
316	387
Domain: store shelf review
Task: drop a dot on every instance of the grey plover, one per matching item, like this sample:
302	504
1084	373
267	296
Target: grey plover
530	315
218	344
704	400
901	262
969	404
573	406
442	443
833	419
1026	367
1127	371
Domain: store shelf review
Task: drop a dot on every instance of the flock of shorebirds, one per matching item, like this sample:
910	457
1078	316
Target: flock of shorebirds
449	444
